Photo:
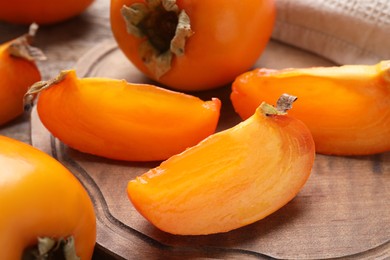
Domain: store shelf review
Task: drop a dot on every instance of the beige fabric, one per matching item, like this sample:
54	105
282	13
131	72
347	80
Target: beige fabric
344	31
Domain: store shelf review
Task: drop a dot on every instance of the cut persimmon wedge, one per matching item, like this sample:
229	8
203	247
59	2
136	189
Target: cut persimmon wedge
18	70
120	120
347	108
231	179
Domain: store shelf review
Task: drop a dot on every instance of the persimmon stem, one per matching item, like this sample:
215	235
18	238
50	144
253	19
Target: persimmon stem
166	29
21	47
49	248
33	91
283	104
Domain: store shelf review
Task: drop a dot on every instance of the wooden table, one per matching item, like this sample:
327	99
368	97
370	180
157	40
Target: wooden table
65	43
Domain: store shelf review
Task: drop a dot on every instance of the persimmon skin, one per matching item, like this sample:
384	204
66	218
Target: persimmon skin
346	108
13	86
41	12
231	179
40	198
125	121
229	36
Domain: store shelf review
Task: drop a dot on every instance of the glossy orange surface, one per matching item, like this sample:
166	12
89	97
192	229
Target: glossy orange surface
13	86
125	121
40	11
40	198
346	108
228	37
231	179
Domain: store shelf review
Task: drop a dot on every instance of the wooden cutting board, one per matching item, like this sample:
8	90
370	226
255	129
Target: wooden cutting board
343	210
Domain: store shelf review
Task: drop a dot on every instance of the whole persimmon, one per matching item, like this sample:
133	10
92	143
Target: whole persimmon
192	45
41	11
45	211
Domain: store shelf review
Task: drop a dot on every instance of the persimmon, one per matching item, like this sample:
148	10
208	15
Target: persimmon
231	179
41	11
189	44
347	108
123	121
17	57
41	202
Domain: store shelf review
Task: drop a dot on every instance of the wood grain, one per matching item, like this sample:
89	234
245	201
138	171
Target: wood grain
342	212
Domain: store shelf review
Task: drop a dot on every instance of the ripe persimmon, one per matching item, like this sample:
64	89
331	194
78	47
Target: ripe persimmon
192	45
18	71
231	179
347	108
41	202
120	120
41	11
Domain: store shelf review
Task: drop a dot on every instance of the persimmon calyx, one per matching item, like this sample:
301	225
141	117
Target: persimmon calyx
50	248
21	46
33	91
283	104
165	28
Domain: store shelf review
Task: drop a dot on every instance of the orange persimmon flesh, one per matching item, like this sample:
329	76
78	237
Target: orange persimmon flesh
347	108
231	179
124	121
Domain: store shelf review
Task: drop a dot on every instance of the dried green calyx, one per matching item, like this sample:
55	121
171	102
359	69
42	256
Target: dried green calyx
166	29
21	47
283	104
39	86
50	248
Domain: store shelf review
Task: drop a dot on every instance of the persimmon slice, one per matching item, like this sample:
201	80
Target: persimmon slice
347	108
231	179
123	121
17	57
